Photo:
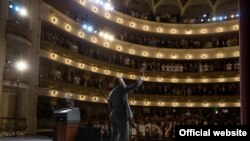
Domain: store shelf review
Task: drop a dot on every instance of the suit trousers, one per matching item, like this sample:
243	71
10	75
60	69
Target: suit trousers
119	130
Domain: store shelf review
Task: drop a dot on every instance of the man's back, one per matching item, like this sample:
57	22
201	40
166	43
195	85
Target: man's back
118	100
119	108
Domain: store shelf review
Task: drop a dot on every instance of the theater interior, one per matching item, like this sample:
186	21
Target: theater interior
60	52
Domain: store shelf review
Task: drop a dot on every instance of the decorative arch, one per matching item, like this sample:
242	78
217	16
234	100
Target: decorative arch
170	6
172	9
141	5
195	8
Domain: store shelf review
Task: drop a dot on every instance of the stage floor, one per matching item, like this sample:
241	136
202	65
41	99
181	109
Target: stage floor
25	138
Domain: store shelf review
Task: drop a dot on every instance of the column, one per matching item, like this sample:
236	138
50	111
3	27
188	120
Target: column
35	27
3	18
244	60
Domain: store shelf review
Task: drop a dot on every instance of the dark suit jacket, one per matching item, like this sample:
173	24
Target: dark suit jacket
118	101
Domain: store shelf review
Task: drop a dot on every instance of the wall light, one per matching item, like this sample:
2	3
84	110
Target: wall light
54	93
95	9
68	27
236	54
189	56
173	31
119	74
82	65
132	76
145	53
205	104
174	56
82	97
132	24
107	15
94	68
189	80
219	29
131	51
188	31
82	2
236	27
118	47
203	56
204	31
174	79
159	55
106	44
175	104
107	71
159	29
133	101
146	78
54	20
53	56
119	20
81	34
93	39
145	27
220	55
68	60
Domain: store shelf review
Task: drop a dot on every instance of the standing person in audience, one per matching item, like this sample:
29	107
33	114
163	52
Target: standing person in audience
119	108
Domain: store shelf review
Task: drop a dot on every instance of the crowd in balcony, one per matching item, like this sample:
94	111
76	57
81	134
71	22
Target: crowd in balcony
181	43
86	80
170	42
167	17
135	62
154	41
158	16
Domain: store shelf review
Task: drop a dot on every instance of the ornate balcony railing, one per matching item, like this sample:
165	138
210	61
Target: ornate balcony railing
18	29
163	28
79	89
64	23
98	63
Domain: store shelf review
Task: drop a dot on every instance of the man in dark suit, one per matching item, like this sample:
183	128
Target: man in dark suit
120	111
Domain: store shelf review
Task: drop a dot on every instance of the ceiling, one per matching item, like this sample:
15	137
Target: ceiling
187	8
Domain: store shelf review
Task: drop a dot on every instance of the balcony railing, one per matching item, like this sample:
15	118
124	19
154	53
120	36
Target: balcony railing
43	83
163	28
58	19
18	29
98	63
11	126
58	85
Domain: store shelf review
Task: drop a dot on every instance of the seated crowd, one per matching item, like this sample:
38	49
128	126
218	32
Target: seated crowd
148	122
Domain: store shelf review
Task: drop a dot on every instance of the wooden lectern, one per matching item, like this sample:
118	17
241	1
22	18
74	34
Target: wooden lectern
66	124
